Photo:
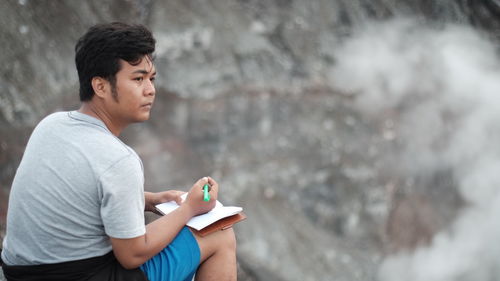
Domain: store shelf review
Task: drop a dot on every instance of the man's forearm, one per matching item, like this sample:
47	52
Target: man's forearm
168	227
132	253
149	203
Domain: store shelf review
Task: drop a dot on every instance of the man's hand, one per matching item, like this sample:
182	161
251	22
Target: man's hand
152	199
194	200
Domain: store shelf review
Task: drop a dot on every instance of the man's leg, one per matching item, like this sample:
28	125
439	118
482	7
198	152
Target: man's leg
178	261
218	256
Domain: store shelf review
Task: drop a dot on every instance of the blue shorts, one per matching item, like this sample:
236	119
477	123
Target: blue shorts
178	261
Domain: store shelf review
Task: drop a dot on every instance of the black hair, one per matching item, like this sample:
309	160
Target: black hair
99	50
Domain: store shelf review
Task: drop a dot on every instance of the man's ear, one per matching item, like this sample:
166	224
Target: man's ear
100	86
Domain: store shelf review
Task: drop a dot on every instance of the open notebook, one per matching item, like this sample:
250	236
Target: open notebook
220	217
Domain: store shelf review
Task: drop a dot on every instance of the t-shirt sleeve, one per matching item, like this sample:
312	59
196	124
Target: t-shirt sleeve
122	206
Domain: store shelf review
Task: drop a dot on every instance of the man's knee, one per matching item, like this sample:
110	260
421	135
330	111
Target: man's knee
229	238
223	241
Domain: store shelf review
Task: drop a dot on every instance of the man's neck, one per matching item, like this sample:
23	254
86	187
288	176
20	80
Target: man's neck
95	111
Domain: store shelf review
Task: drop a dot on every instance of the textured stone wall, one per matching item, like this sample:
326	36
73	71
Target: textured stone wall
250	93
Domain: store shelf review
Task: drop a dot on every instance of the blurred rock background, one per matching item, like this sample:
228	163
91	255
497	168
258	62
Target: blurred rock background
360	137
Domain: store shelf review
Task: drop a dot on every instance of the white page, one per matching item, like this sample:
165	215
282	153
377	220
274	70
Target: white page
199	222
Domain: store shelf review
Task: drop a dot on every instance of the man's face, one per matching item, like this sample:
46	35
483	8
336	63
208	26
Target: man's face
134	92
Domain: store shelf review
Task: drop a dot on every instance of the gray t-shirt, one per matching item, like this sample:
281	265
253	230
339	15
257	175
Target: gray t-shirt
77	184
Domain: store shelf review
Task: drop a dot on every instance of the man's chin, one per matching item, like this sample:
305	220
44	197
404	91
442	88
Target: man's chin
142	118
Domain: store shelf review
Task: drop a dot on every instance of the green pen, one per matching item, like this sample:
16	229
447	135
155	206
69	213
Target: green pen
206	195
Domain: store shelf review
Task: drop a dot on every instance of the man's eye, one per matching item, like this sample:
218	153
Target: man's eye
139	79
152	79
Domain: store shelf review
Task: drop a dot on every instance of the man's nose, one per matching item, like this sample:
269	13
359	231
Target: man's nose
150	88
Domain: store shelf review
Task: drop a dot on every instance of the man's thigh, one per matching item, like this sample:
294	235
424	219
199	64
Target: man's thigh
178	261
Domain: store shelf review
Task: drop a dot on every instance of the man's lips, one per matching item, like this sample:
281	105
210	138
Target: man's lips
148	105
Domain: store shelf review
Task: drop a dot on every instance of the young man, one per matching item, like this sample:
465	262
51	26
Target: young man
77	200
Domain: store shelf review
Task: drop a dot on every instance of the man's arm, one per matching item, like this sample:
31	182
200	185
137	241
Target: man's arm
131	253
152	199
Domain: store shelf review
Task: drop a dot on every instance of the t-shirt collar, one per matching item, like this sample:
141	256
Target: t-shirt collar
87	118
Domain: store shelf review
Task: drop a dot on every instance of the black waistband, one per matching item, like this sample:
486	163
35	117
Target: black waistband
102	268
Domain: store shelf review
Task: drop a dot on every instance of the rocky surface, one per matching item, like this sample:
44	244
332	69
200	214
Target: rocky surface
331	122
